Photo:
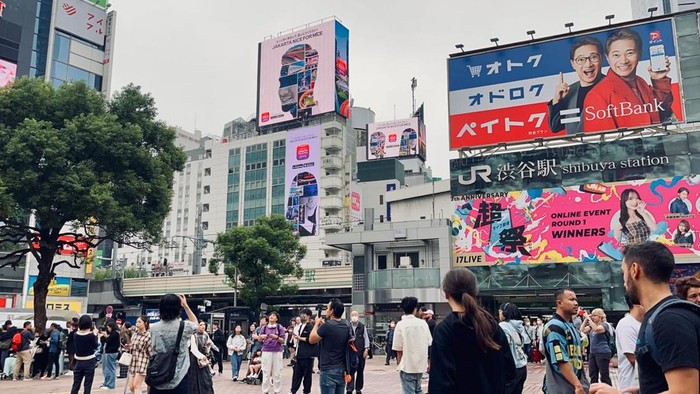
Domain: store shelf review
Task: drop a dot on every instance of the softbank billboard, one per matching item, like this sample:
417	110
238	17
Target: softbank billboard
620	78
302	176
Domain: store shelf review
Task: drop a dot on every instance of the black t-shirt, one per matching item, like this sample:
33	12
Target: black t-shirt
582	92
677	336
334	339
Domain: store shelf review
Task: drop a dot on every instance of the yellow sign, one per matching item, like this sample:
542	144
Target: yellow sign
469	259
58	287
75	306
90	257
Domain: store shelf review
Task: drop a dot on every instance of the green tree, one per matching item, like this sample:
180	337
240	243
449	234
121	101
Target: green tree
262	255
88	169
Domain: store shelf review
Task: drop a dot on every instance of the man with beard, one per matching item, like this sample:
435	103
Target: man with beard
562	348
586	56
669	358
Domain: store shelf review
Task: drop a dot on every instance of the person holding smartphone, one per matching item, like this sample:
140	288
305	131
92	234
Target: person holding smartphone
272	336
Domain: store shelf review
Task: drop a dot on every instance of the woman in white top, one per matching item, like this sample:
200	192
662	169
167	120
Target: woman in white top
236	345
200	368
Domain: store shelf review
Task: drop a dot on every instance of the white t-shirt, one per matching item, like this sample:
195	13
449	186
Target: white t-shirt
412	337
626	341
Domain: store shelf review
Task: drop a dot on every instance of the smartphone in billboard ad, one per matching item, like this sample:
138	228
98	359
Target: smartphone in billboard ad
395	138
302	175
303	74
617	78
586	223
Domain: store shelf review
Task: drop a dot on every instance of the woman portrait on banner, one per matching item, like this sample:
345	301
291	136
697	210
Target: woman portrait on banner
632	224
683	236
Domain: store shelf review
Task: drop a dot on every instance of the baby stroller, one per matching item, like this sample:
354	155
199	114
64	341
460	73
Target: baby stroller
255	378
7	368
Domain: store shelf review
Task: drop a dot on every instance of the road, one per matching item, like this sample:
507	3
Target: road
379	379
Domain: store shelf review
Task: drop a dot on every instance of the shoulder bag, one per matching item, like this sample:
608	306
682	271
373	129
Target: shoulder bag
161	366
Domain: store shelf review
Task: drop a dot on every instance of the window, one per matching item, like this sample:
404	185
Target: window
207	189
381	199
207	154
207	171
205	207
205	226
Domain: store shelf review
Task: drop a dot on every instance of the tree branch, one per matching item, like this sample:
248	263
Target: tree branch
75	264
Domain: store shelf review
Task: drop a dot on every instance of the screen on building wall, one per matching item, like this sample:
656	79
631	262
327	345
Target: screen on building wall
394	138
302	177
303	74
8	73
616	78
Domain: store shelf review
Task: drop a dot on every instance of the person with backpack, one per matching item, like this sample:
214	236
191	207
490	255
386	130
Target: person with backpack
8	331
84	343
668	346
512	324
170	340
601	352
21	345
272	336
334	337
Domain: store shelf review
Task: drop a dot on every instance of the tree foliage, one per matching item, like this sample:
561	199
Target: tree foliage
80	164
262	255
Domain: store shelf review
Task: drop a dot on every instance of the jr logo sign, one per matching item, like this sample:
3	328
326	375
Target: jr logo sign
482	171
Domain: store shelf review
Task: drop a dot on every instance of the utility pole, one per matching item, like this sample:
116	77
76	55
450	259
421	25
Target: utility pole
414	85
198	243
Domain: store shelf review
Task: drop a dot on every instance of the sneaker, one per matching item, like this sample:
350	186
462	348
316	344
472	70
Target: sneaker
55	378
27	379
105	388
45	378
69	373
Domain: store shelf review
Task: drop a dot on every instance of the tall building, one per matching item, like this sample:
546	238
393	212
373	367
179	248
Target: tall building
640	8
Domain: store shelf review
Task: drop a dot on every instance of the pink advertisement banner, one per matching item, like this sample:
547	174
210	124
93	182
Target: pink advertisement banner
585	223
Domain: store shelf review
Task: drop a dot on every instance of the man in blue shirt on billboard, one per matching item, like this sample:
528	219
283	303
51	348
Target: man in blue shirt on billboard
586	57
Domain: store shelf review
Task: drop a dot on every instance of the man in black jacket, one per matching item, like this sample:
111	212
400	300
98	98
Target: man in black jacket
359	331
8	331
306	352
219	339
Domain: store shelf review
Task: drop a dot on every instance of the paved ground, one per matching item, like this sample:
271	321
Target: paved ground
379	379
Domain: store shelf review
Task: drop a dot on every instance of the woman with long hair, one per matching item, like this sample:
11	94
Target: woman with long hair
140	348
511	321
200	381
633	224
683	235
236	345
470	352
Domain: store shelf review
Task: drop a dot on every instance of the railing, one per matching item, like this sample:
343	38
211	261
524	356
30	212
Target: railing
332	182
332	142
332	202
332	222
332	162
404	278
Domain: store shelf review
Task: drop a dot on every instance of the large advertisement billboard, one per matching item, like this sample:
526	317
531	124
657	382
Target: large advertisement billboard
82	19
302	177
617	78
394	138
586	223
304	73
8	73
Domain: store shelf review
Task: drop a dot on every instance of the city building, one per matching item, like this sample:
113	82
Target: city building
640	8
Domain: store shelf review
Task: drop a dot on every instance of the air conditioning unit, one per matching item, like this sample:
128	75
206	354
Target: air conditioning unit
404	262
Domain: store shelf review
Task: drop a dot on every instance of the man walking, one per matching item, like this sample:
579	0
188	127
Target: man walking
54	351
411	341
333	335
24	355
219	339
359	331
304	366
528	338
668	352
627	333
563	351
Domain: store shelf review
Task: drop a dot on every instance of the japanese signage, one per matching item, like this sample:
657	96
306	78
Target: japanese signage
395	138
302	175
82	19
586	83
653	157
304	73
356	214
586	223
58	305
8	71
58	287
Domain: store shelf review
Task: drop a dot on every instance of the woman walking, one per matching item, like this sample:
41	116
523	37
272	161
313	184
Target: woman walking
470	351
512	325
200	372
84	342
236	345
140	347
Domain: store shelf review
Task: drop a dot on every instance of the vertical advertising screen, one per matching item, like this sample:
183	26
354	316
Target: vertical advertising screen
8	73
394	138
302	177
617	78
303	74
585	223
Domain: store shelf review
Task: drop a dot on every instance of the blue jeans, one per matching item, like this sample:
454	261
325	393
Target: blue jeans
332	381
410	382
235	364
109	369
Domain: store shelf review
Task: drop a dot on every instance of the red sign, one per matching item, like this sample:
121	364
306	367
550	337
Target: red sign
2	8
68	243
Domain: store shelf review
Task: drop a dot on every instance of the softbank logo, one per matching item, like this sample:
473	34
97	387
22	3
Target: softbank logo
481	171
621	109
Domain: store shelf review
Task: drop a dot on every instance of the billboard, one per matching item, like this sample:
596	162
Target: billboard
394	138
422	150
8	73
304	73
58	287
302	177
82	19
586	223
622	77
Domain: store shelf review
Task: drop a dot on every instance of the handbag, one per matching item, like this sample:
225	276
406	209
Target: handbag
125	359
203	362
161	366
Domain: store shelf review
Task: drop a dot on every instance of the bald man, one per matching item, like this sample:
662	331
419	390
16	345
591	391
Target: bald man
359	331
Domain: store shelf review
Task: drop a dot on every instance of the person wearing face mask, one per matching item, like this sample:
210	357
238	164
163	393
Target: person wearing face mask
359	331
390	342
303	368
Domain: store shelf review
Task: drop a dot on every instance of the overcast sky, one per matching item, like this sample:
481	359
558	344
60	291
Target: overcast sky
199	58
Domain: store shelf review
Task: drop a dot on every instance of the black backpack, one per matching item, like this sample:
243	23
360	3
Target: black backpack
646	342
161	367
